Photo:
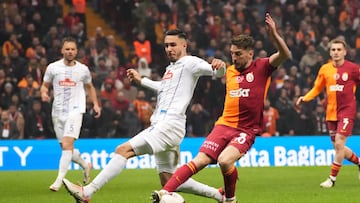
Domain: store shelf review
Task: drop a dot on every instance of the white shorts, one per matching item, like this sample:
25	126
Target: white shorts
67	126
162	140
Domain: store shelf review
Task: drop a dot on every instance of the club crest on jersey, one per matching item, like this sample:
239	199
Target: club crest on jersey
67	83
345	76
239	78
168	75
250	77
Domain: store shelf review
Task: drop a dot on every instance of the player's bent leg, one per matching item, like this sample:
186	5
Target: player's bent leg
76	191
86	173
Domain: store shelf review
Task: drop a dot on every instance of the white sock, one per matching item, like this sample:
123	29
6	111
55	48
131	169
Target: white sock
194	187
64	164
111	170
77	159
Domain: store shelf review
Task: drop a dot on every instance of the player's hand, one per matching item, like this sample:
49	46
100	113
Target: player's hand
45	97
217	64
97	110
133	75
299	101
270	23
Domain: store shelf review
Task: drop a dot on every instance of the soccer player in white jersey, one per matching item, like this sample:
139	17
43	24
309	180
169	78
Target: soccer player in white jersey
167	128
69	79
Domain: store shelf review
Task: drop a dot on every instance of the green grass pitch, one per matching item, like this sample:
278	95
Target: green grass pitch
255	185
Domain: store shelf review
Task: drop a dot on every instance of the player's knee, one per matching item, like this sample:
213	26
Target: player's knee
225	161
125	150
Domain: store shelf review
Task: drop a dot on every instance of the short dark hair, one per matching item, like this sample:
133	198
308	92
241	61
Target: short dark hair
176	32
68	39
243	41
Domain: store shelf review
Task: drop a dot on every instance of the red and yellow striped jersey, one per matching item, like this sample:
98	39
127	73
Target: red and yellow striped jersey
340	83
245	95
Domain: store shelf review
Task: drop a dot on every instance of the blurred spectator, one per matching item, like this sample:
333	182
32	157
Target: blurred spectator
115	51
8	128
309	58
89	126
129	90
27	86
101	71
143	68
109	92
19	64
11	44
36	50
6	95
37	124
71	18
121	103
16	116
106	126
142	46
284	106
198	121
271	117
131	121
143	109
320	120
323	48
80	10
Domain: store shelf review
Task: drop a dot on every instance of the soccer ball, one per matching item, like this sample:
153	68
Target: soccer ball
172	197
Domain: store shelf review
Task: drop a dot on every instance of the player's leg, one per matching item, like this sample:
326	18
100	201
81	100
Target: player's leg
353	158
339	131
58	128
86	166
115	166
67	131
240	143
167	162
138	145
230	175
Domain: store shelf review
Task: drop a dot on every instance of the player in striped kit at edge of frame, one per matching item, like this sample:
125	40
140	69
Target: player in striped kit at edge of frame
234	133
167	128
340	78
69	79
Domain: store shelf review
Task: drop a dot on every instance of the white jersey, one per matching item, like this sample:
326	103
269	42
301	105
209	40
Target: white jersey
68	83
176	88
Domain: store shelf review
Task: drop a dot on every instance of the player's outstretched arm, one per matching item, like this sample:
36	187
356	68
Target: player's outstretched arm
283	52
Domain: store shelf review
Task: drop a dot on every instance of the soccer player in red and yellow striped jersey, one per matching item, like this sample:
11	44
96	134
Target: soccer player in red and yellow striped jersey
339	77
234	133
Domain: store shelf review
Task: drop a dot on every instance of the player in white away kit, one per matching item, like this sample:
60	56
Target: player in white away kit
167	128
68	78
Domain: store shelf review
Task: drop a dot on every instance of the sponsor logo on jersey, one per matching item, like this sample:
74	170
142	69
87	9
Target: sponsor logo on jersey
336	76
336	88
168	75
67	83
239	92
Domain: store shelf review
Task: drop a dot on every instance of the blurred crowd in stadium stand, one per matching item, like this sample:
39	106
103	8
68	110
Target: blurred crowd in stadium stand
31	32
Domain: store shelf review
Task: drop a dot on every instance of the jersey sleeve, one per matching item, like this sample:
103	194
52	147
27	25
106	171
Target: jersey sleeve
48	76
318	87
202	67
87	75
